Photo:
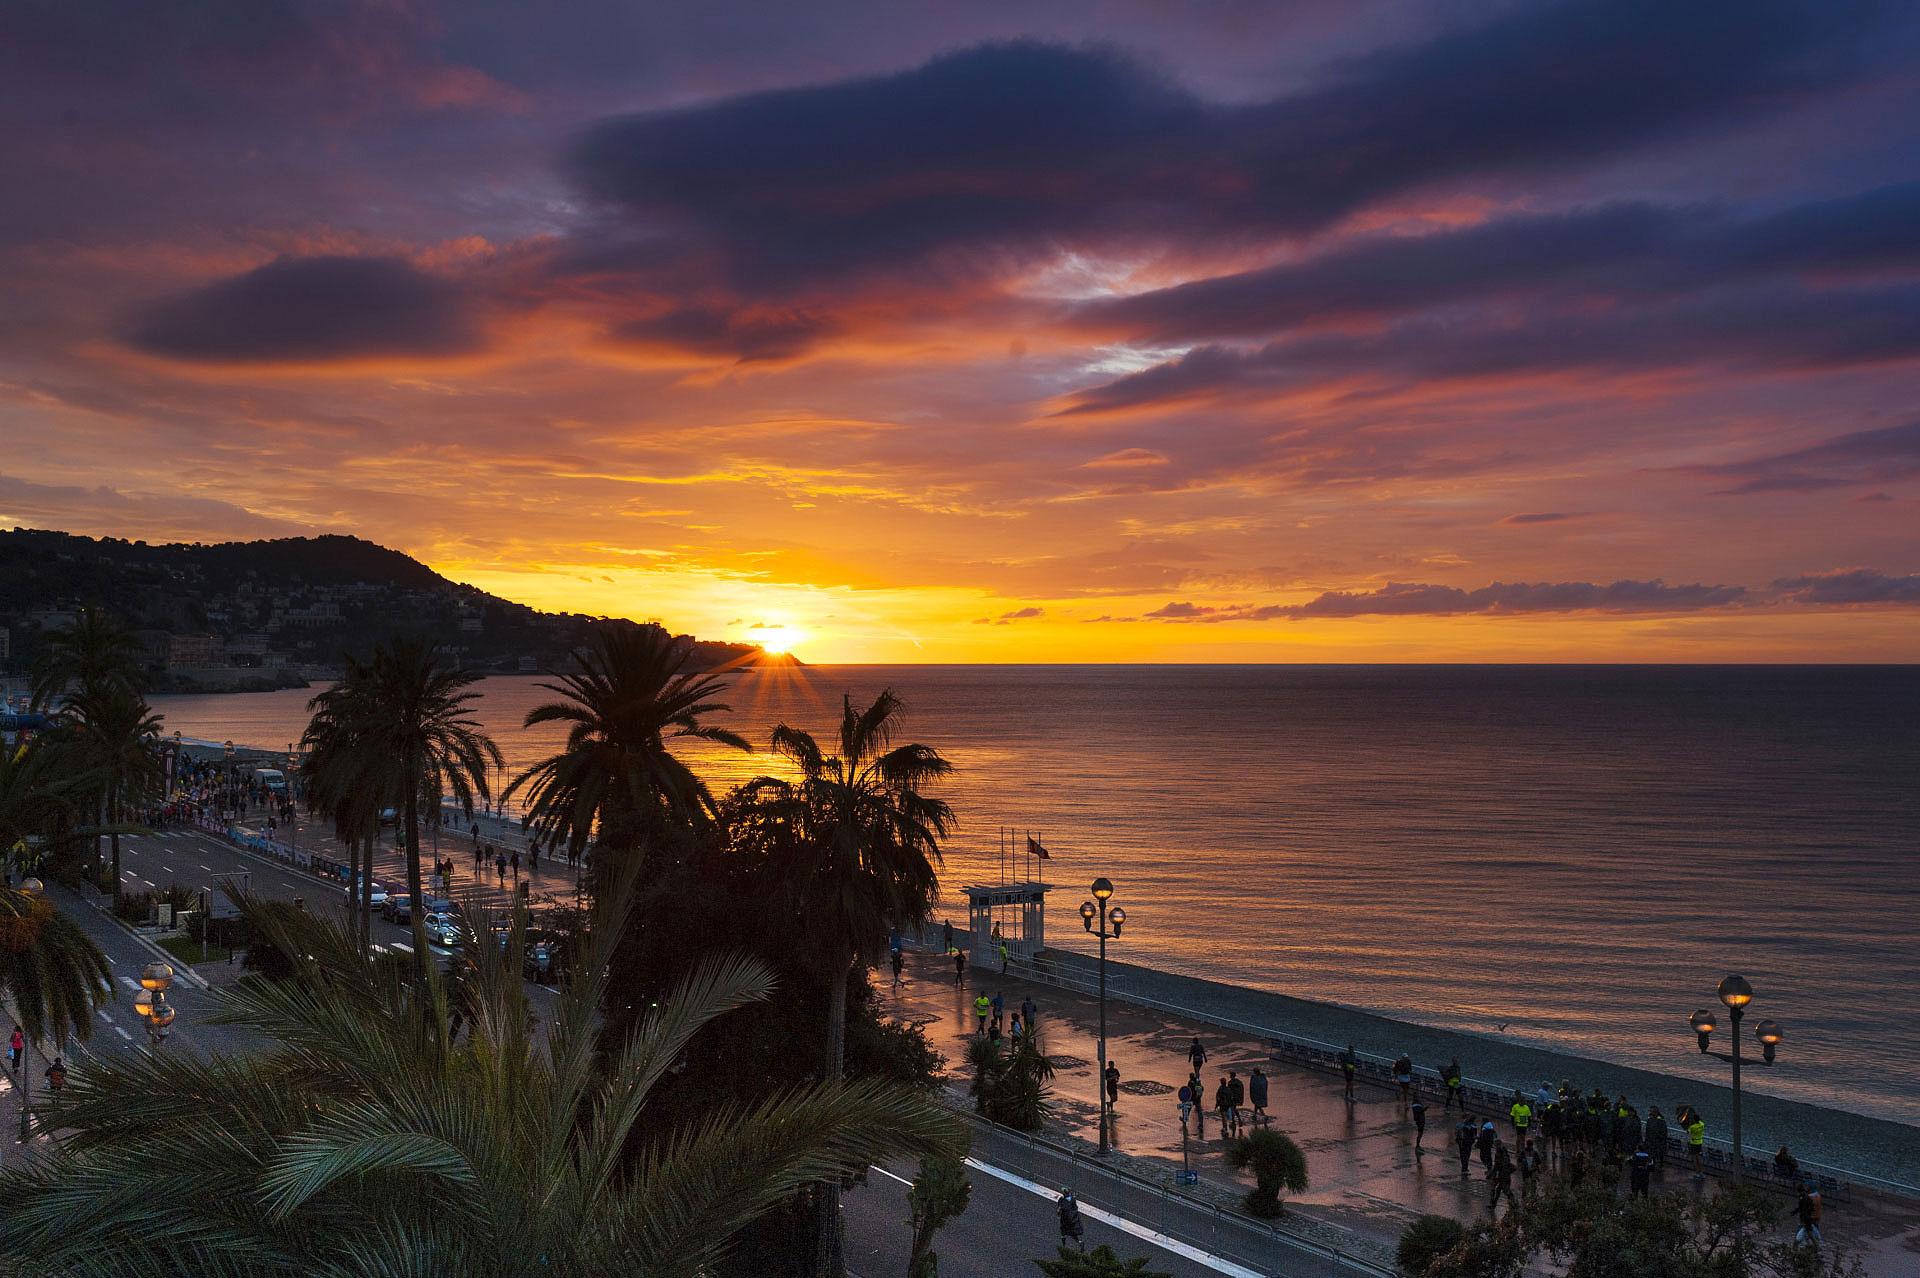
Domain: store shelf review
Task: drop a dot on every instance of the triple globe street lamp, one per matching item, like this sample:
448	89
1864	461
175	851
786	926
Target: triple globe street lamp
1735	993
1111	918
151	1002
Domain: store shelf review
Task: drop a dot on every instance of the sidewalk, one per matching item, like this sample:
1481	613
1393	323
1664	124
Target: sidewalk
1367	1183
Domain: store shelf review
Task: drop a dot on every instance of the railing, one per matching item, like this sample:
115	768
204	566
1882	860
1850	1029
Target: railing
1835	1183
1225	1232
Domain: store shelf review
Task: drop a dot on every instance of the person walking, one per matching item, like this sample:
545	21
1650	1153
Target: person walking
1257	1093
1500	1178
1419	1111
500	867
1349	1068
1070	1228
1196	1054
1113	1085
1488	1138
533	857
1236	1097
899	966
1028	1011
1807	1208
1003	958
959	967
1403	1078
1656	1136
1221	1104
479	855
15	1046
1451	1077
514	861
1197	1087
1017	1030
1640	1174
56	1074
1697	1143
1522	1115
1529	1168
1463	1139
946	935
982	1008
1786	1166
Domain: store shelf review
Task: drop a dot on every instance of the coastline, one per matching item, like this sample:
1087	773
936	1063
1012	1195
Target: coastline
1869	1148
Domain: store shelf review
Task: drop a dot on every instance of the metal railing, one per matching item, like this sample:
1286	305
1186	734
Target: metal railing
1835	1183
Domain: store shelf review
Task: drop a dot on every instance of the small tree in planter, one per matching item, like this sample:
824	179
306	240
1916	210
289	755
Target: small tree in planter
940	1192
1101	1262
1276	1163
1426	1240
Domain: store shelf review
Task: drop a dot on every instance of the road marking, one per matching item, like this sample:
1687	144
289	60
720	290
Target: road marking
403	946
103	1015
167	869
1125	1226
149	883
131	983
122	1032
207	868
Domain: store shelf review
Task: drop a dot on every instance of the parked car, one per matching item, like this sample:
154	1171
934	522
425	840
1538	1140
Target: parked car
399	908
543	957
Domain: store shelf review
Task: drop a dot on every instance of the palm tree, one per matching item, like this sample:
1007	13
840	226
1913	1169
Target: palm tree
52	973
35	799
629	699
348	782
369	1139
405	725
869	848
114	734
94	653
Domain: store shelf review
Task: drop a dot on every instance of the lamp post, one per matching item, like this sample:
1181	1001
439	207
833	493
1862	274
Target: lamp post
30	887
1111	919
1735	994
151	1001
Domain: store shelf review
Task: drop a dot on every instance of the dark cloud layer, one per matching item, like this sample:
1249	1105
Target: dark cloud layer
1017	148
316	309
1861	457
1412	599
1852	586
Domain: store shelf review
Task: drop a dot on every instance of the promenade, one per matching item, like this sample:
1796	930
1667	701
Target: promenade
1367	1180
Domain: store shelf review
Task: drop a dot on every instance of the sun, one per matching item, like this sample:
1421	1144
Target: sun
779	639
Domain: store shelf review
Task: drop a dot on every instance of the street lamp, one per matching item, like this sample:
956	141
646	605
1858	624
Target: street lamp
151	1001
1735	993
1111	919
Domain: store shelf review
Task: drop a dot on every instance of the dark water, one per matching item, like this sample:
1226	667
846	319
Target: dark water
1576	854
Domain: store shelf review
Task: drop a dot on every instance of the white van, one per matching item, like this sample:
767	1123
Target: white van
273	779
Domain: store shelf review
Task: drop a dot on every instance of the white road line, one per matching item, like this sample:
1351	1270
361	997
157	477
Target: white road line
167	869
207	868
1125	1226
403	946
122	1032
149	883
103	1015
131	983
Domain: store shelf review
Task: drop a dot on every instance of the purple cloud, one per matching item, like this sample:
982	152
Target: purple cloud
297	310
1860	457
1852	587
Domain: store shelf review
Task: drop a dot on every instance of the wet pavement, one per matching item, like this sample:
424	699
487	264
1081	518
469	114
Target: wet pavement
1367	1181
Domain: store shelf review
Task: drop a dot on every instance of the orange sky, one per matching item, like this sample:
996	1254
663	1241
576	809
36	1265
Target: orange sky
1000	332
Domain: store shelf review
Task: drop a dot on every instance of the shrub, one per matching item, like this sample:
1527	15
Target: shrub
1012	1086
133	907
1427	1239
1276	1163
1101	1262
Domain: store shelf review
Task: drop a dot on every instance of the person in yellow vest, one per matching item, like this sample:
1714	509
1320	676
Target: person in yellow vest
1697	1143
981	1006
1522	1115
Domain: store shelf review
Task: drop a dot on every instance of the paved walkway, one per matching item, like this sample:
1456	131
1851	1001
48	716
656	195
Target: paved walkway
1367	1180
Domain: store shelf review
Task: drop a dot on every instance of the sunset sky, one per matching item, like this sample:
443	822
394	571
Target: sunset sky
1370	330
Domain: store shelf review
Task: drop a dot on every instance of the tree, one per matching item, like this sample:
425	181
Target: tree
1276	1163
1425	1240
114	736
1101	1262
366	1138
35	799
627	702
865	859
940	1192
406	725
349	780
52	973
1011	1086
92	655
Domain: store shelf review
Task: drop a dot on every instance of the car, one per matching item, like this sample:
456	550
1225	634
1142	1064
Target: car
543	958
399	908
379	896
443	929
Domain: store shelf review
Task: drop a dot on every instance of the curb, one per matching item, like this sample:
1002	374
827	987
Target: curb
183	971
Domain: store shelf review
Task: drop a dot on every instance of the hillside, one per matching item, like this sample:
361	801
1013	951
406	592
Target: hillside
263	614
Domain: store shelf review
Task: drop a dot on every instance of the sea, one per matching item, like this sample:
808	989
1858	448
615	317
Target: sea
1568	857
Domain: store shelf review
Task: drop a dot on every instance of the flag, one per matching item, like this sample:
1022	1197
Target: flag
1034	849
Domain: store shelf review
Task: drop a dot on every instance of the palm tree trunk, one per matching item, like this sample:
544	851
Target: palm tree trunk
366	891
831	1258
417	914
113	818
355	873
